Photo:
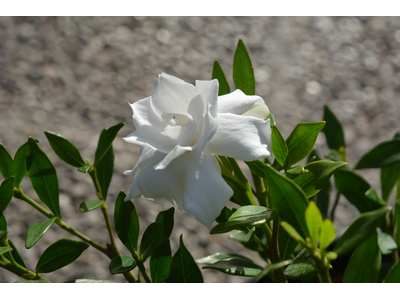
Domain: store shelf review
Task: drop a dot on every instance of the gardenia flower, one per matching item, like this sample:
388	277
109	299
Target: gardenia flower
181	128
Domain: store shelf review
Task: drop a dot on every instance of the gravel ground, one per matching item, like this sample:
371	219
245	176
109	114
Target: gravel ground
75	76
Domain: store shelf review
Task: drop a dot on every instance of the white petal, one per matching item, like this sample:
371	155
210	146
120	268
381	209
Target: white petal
208	89
147	156
163	184
136	138
173	133
241	137
175	119
134	192
260	111
210	126
239	103
188	137
205	192
175	153
197	109
147	122
171	95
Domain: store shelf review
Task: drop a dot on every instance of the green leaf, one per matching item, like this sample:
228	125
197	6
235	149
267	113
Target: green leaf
166	218
224	215
105	141
384	154
279	147
121	264
59	254
328	233
36	231
334	132
126	222
257	167
296	171
3	233
84	280
15	254
236	266
272	119
105	170
184	269
240	237
396	224
360	229
33	281
90	205
286	244
152	237
43	177
161	262
334	155
19	168
302	268
6	162
6	193
386	243
393	276
249	236
288	200
209	260
65	150
272	268
245	216
331	255
85	168
292	232
365	263
389	176
314	222
322	199
357	190
218	73
319	173
243	72
5	250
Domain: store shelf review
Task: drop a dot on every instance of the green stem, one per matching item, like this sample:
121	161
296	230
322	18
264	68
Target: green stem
334	206
139	262
259	242
280	277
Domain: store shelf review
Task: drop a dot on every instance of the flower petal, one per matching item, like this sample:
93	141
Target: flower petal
171	95
136	138
146	156
205	193
210	126
239	103
209	92
241	137
175	153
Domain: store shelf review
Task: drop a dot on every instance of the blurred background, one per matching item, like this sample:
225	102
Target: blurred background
75	75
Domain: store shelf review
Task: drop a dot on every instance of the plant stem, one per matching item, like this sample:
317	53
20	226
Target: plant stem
334	206
324	277
275	252
139	262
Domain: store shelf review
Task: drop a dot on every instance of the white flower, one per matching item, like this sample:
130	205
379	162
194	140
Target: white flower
180	128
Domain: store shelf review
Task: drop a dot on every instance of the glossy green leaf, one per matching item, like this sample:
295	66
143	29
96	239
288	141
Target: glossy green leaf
328	234
218	73
43	177
279	147
384	154
224	215
3	226
90	205
314	222
292	232
85	168
393	276
126	222
105	141
319	173
243	72
249	236
209	260
15	254
389	176
184	269
166	218
322	199
386	243
296	171
65	150
161	262
240	236
243	220
287	199
365	263
5	250
272	268
357	190
6	193
121	264
334	155
236	266
286	244
19	168
257	167
334	132
302	268
105	170
396	224
360	229
6	162
59	254
36	231
3	233
33	281
152	237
